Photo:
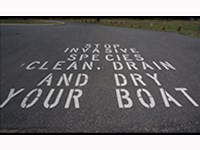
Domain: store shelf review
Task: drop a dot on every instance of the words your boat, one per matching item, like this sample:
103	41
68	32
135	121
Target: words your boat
51	97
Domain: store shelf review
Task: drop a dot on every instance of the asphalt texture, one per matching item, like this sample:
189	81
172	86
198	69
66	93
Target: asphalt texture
99	111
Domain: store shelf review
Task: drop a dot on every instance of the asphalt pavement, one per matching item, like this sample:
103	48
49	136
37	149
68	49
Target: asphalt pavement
64	78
